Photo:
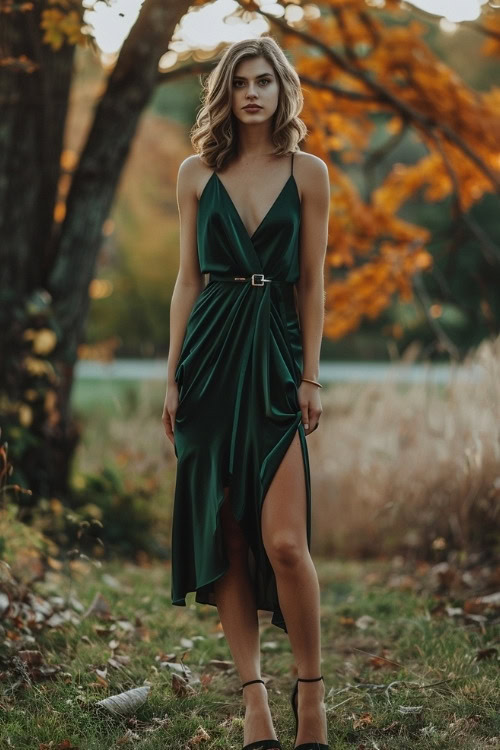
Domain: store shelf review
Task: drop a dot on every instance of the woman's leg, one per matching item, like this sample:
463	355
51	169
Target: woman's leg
238	615
285	540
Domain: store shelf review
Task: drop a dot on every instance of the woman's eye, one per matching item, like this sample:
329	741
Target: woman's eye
263	80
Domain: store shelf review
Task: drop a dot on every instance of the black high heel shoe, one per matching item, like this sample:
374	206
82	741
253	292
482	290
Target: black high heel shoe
261	744
295	692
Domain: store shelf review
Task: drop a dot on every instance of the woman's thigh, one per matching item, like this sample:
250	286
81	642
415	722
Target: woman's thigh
284	507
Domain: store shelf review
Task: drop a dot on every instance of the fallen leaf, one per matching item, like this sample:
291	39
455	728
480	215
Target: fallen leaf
122	658
126	625
181	687
347	621
486	653
378	662
114	663
176	667
364	622
220	664
99	607
409	709
492	599
362	721
445	575
200	736
206	679
166	657
124	704
31	657
454	611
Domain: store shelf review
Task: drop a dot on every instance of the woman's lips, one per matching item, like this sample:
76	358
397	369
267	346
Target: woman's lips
252	108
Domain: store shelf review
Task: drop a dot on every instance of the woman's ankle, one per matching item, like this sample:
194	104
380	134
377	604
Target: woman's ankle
311	692
255	694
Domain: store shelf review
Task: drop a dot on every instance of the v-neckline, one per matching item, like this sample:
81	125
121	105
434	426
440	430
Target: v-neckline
251	236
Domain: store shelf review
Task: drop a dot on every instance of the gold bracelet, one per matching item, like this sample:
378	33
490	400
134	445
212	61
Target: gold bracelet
312	381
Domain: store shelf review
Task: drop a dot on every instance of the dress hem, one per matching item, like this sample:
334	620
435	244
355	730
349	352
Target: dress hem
277	619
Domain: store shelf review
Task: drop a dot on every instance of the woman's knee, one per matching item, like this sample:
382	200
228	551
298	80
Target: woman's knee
285	550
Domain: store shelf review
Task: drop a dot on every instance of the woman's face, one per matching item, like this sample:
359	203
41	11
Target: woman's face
254	82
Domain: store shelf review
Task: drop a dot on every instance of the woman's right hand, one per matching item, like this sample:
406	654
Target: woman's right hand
169	410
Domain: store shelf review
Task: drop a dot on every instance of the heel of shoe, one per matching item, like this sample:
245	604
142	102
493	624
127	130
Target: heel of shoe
261	744
304	745
294	708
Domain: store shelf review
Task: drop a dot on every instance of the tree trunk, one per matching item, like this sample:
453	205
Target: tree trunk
54	270
33	106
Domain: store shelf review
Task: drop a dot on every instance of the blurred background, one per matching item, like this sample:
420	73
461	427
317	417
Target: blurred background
402	103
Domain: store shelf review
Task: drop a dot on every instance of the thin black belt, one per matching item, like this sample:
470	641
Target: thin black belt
256	279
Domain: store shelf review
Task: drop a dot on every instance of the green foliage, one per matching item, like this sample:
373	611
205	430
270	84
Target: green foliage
127	515
28	377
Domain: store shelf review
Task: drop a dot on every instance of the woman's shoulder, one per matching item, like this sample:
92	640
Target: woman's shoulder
192	164
192	173
311	176
310	163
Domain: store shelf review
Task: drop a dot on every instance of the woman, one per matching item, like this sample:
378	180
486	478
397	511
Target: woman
242	381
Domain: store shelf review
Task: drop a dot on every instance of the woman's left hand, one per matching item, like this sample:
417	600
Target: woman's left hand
310	405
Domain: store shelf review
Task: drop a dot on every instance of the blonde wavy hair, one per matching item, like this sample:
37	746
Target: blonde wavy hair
214	134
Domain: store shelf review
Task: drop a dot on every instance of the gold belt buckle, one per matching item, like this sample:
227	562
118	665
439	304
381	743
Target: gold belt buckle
262	279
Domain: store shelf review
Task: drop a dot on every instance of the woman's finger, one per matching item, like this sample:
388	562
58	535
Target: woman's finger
305	416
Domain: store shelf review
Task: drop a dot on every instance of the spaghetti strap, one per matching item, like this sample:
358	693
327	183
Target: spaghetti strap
291	173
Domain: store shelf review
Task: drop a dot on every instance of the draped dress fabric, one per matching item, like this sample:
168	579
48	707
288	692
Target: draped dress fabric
238	372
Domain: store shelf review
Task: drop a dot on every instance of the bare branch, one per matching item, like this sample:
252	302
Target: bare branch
198	68
482	29
191	69
490	251
426	303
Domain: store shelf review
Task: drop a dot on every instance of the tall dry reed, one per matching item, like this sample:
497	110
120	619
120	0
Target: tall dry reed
410	467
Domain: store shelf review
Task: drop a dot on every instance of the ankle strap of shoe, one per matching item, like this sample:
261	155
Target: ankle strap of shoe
310	679
251	681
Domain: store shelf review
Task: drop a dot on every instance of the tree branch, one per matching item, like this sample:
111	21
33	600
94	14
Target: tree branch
385	96
423	296
198	68
490	251
129	88
482	29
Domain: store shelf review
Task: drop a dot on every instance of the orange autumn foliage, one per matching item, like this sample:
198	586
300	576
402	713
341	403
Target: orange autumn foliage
372	253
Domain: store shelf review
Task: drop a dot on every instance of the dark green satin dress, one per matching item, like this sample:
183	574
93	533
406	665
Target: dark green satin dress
238	372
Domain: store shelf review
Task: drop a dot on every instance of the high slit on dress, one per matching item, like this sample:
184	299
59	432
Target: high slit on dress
238	372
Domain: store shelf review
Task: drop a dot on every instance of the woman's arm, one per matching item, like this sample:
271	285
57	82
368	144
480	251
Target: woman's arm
190	280
315	188
188	284
315	184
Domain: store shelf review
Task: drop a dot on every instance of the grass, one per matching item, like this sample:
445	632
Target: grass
410	658
400	672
